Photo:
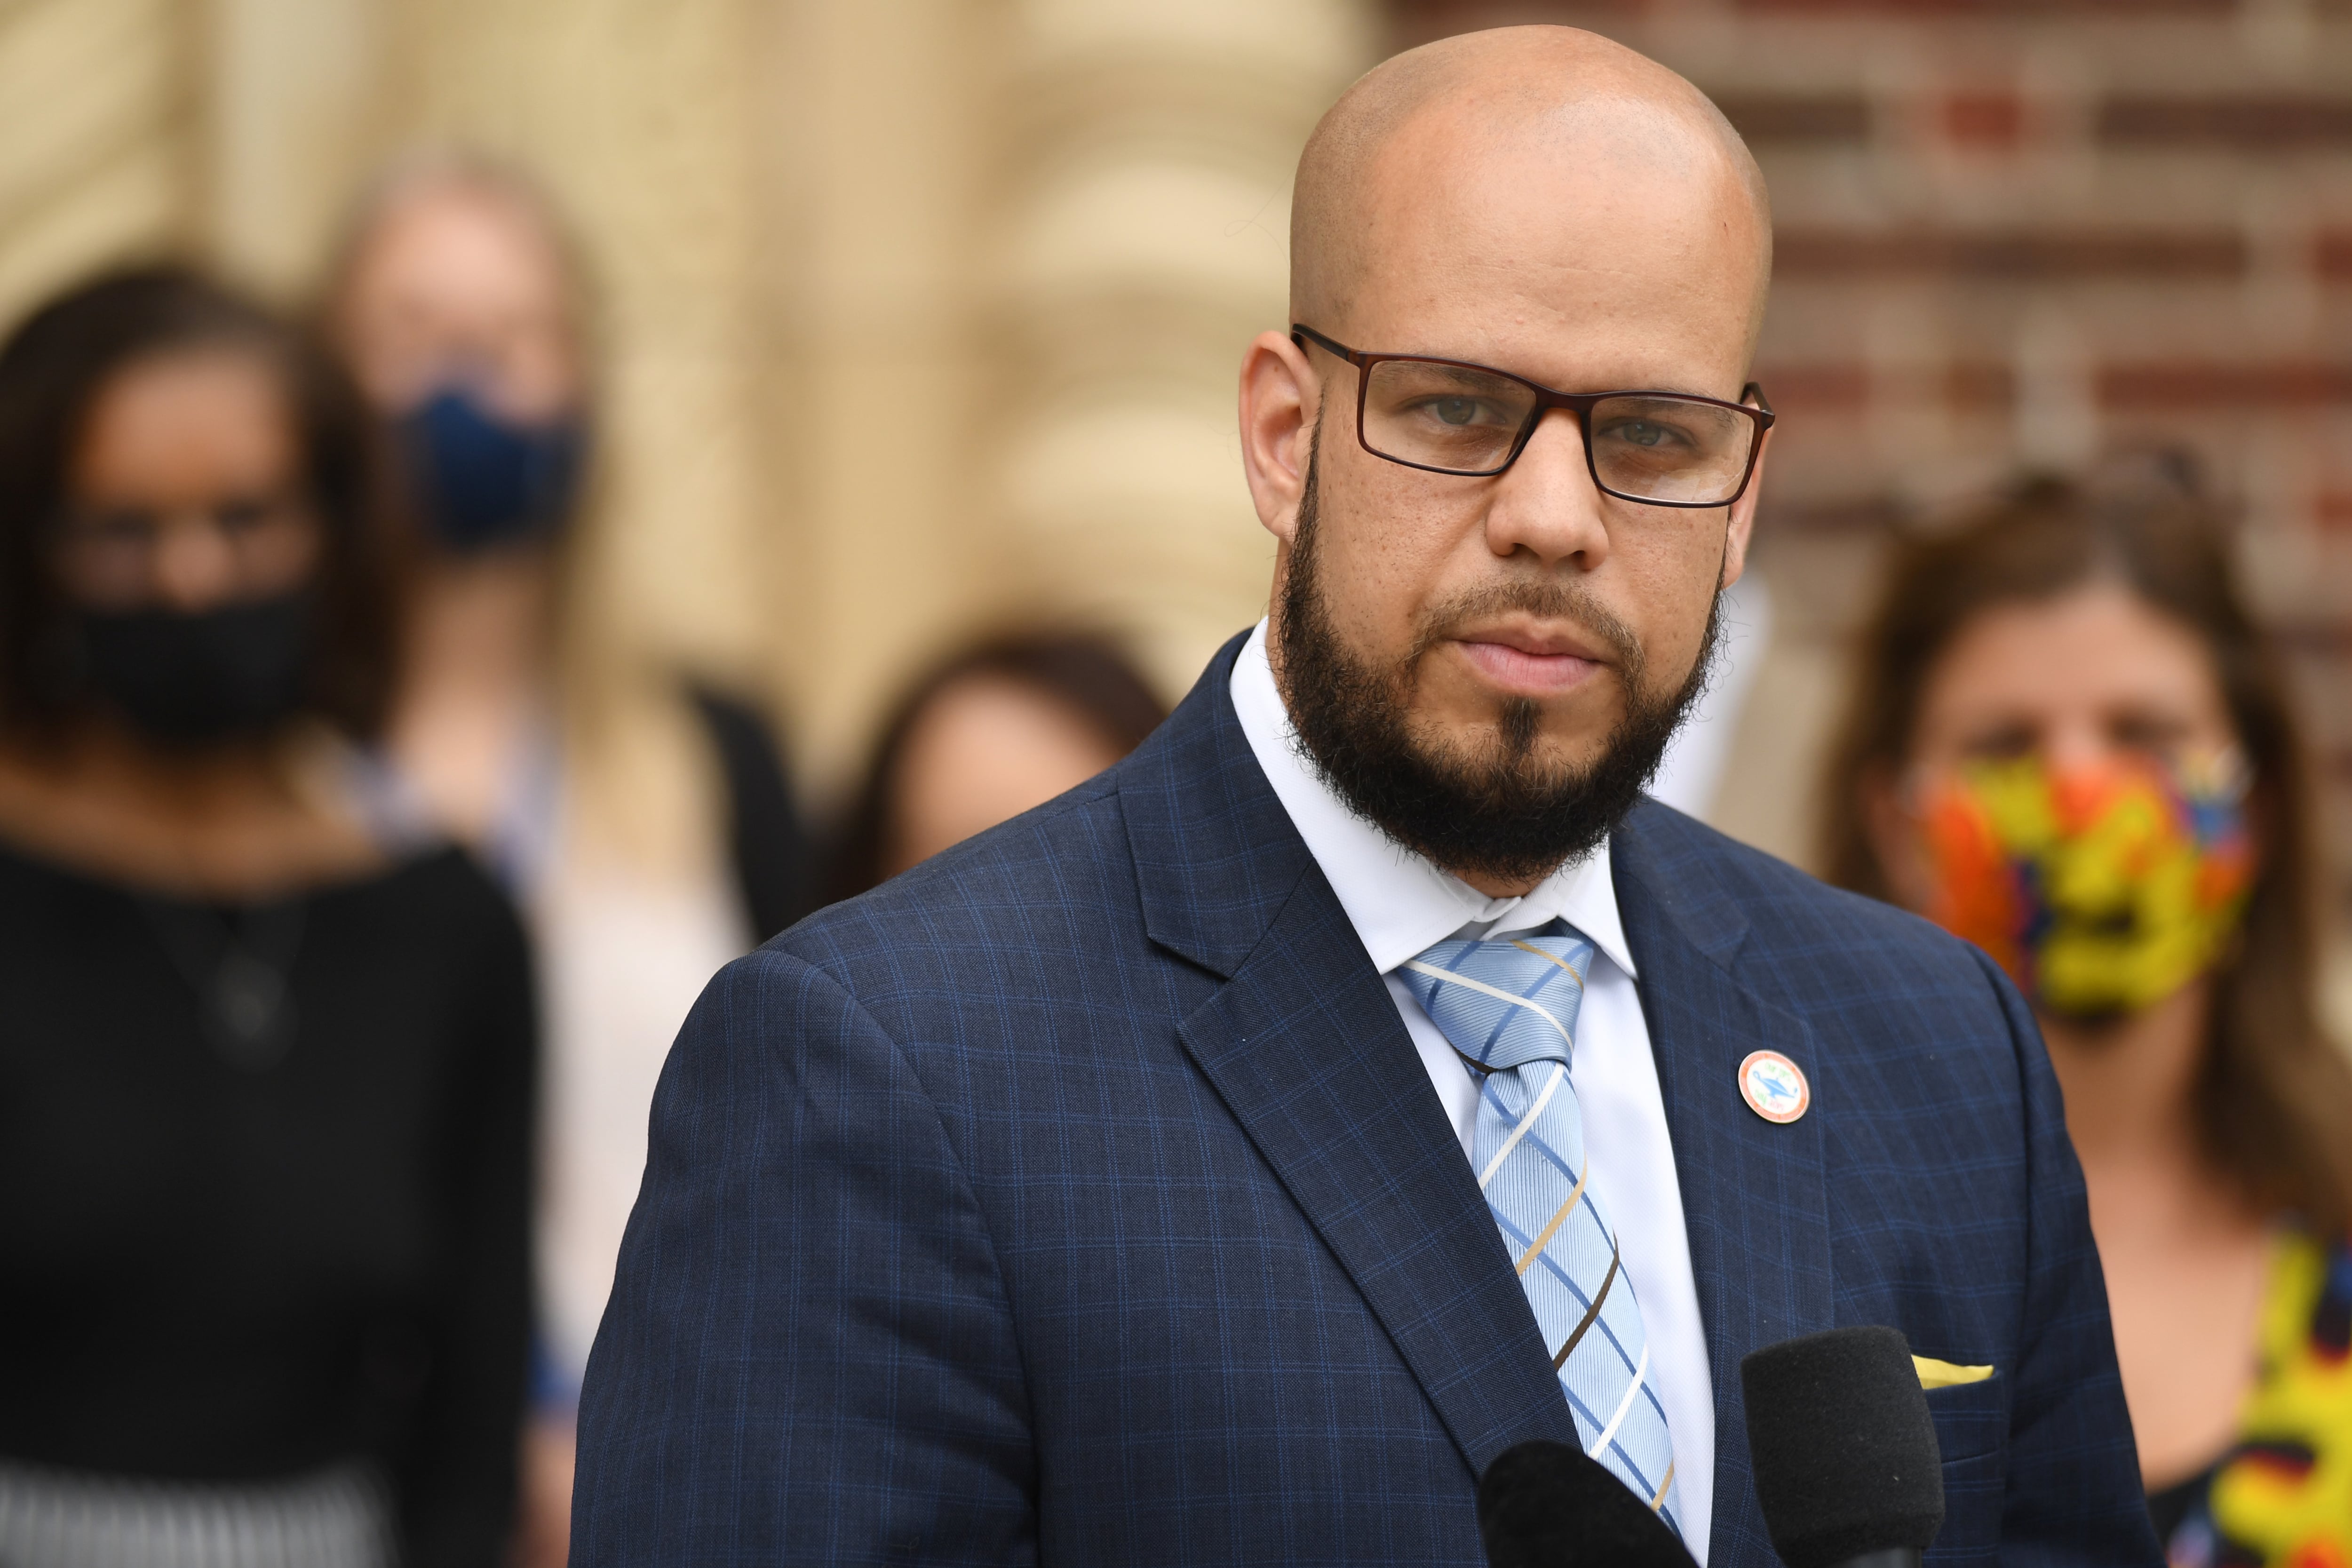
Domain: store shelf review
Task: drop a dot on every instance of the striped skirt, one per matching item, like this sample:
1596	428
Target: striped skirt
339	1518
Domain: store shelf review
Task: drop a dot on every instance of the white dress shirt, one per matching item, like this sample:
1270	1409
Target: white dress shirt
1399	903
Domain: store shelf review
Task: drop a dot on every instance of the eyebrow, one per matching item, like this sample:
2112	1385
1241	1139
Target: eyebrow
1517	375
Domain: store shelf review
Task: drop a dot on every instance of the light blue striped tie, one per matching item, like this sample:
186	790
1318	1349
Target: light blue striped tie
1510	1008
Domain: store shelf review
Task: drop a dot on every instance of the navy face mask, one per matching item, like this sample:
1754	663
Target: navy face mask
483	480
188	682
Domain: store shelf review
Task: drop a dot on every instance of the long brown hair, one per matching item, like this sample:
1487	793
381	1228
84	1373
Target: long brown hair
2276	1099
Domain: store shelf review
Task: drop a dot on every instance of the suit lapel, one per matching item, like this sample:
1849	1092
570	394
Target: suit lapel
1755	1201
1305	1047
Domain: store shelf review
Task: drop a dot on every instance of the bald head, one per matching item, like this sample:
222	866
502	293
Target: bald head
1489	608
1457	132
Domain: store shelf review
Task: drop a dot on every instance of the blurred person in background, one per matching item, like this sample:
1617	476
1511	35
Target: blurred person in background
1003	726
2071	745
643	821
264	1089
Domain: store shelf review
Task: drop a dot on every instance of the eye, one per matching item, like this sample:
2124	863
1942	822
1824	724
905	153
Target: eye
2002	743
2158	735
1644	433
1458	411
120	526
243	514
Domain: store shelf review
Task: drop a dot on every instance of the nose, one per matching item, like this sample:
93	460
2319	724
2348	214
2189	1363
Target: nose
195	568
1546	503
2075	745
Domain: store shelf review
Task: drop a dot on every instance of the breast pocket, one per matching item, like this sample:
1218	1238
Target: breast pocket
1972	1431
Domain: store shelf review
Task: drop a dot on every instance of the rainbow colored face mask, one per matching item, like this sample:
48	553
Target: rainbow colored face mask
2102	891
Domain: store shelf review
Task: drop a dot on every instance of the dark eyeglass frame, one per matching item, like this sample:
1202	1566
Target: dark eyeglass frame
1581	404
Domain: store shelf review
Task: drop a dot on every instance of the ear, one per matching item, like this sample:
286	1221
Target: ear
1279	399
1743	519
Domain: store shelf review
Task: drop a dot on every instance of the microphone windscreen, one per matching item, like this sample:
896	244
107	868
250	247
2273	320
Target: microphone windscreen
1843	1449
1548	1505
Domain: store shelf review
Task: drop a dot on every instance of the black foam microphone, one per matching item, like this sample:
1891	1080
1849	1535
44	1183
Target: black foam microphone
1847	1468
1548	1505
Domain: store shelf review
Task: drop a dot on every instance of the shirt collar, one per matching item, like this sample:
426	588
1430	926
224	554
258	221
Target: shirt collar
1398	901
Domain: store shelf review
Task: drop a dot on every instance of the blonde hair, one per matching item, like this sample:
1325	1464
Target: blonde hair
643	790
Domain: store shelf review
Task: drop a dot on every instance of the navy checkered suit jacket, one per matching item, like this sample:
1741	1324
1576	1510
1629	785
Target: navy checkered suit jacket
1078	1197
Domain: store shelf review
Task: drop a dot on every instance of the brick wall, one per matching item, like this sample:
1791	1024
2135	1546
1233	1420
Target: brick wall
2035	233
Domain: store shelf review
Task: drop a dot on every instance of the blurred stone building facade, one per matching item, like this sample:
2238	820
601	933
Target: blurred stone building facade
2028	233
919	315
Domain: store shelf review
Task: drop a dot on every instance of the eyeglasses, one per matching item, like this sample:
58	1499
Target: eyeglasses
1660	448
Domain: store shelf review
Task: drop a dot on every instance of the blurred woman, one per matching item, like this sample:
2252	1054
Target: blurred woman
642	821
995	729
265	1090
2071	746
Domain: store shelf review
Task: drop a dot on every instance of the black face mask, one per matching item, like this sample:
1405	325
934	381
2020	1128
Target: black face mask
193	680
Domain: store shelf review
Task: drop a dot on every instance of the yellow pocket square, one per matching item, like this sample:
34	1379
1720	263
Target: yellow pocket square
1934	1374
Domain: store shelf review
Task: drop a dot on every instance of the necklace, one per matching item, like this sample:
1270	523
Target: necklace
239	963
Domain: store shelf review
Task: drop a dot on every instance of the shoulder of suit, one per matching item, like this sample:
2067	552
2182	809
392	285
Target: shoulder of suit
1783	905
974	892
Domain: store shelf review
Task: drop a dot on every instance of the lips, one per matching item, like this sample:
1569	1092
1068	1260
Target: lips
1529	664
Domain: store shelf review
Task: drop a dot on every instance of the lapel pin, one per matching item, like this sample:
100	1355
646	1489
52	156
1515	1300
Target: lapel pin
1773	1087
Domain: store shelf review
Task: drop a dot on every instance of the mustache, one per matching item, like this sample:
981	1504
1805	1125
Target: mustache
1545	598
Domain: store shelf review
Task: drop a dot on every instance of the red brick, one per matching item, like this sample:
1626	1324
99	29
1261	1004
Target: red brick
1871	516
1945	11
2186	386
2266	124
2154	386
1816	387
1767	119
2018	255
1812	388
1976	385
1982	122
2137	121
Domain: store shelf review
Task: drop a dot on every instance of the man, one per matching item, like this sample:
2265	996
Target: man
1226	1161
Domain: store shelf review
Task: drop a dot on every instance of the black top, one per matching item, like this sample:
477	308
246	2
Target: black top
282	1228
774	863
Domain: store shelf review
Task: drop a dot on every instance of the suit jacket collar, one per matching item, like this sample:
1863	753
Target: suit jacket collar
1305	1047
1215	856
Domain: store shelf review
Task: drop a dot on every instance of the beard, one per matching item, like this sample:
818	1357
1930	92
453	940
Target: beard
1491	805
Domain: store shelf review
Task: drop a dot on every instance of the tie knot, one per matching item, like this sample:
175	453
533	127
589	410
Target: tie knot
1508	1001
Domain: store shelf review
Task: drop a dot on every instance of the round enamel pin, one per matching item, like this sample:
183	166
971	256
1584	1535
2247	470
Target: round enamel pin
1773	1087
